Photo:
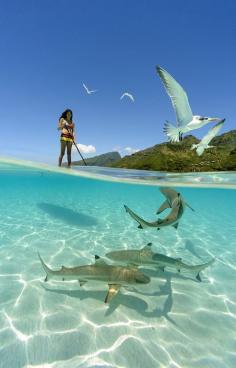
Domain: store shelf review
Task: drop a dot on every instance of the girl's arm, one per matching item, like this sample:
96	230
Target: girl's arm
61	124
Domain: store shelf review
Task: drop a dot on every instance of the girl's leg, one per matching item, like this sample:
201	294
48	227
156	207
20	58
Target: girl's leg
69	147
63	148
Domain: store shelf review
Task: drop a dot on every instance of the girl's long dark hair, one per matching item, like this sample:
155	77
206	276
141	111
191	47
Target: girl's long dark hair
63	115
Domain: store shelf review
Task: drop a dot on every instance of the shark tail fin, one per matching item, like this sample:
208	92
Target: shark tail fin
172	132
205	265
191	208
176	225
45	267
126	208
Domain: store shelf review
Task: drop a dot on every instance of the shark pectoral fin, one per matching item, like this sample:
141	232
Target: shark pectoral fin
99	261
176	225
198	277
82	282
140	226
163	207
46	279
191	208
113	290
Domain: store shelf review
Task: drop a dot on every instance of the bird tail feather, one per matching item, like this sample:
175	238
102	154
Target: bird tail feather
200	150
194	146
172	132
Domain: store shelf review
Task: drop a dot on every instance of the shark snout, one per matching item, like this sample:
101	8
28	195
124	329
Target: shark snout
142	279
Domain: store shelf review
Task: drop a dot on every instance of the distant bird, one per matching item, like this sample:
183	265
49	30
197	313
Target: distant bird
186	121
89	92
200	147
131	97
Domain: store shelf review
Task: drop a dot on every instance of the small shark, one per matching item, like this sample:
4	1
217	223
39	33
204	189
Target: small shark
174	200
146	257
114	276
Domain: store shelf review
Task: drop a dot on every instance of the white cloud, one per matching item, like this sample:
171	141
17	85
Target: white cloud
117	148
130	150
86	149
125	151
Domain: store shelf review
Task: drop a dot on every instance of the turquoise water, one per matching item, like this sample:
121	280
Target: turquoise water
174	321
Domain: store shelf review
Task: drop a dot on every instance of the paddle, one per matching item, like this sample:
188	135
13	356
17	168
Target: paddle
76	146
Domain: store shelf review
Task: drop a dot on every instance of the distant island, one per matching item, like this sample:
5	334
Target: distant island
106	159
175	157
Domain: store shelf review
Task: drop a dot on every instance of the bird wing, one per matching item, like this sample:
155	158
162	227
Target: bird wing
86	88
130	96
127	95
212	133
178	97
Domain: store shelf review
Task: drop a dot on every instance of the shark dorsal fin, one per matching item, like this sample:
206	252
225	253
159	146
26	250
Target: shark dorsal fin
63	268
163	207
147	247
133	266
99	261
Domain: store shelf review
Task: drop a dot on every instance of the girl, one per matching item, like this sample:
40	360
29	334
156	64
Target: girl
67	128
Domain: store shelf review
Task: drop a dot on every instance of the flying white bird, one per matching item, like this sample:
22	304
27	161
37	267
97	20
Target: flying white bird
186	121
131	97
89	92
201	146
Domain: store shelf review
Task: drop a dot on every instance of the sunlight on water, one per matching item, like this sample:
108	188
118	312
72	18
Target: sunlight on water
174	321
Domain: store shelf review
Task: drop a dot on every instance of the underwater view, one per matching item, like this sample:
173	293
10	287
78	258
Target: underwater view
148	276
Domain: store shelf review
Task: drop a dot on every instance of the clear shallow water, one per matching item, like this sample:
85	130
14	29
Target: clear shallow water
172	322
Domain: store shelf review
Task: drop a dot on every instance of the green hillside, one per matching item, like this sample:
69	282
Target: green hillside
105	159
178	157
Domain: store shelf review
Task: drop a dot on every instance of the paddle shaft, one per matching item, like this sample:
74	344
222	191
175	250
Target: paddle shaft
76	147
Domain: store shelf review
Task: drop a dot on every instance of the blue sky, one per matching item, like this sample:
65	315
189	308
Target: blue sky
49	48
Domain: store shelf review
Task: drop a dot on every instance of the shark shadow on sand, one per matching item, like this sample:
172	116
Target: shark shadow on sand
165	290
129	301
67	215
192	249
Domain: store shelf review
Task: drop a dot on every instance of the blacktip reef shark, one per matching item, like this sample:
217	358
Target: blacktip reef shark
114	276
146	257
174	200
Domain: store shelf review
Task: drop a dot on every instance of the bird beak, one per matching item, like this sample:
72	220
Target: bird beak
214	119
